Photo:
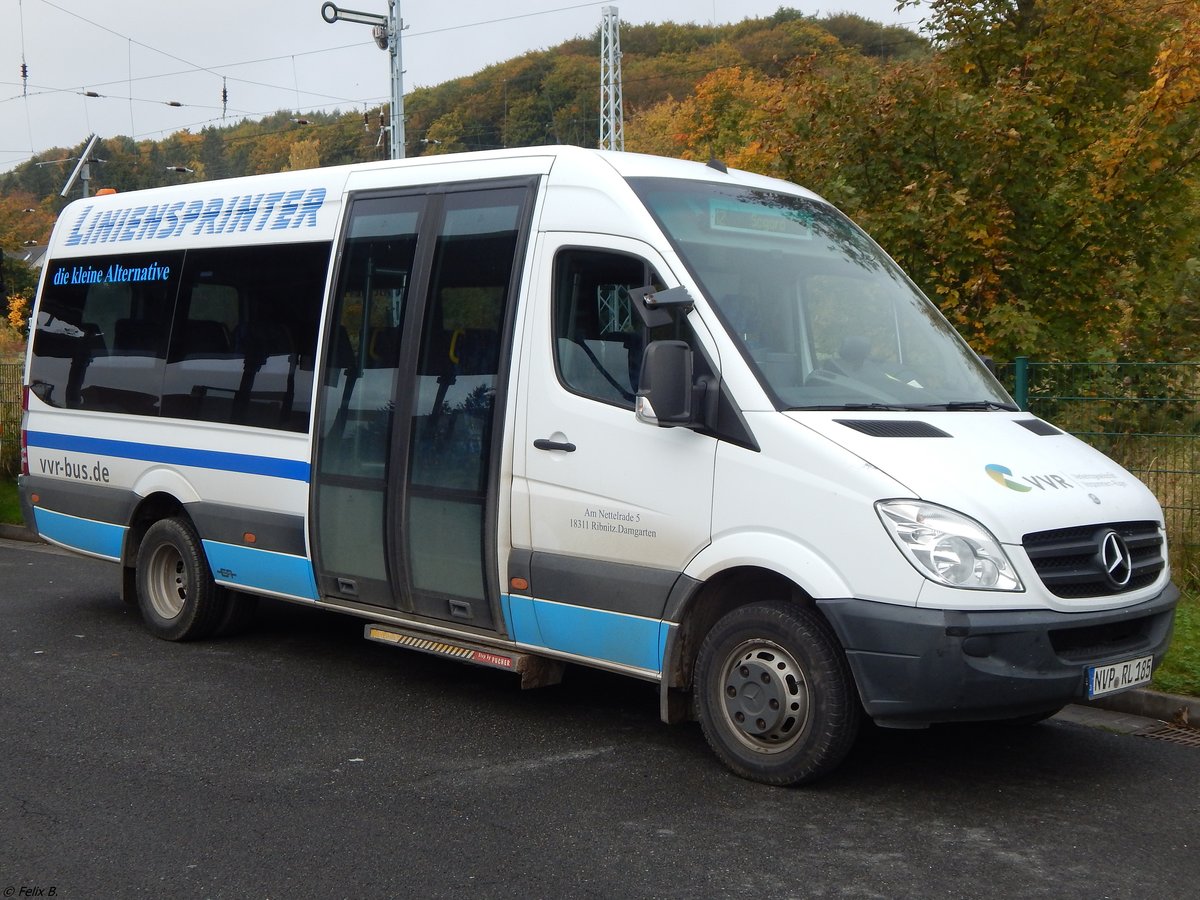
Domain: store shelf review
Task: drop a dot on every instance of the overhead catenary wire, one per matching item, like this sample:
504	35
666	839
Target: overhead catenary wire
214	70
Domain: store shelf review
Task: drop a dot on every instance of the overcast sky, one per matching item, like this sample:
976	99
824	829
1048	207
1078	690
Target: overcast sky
141	55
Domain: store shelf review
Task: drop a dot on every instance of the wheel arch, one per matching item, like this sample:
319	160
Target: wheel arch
148	510
721	593
800	563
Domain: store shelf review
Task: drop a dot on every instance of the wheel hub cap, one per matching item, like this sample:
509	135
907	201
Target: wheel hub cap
765	695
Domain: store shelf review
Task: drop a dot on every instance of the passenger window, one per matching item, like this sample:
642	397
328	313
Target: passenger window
244	344
598	337
101	335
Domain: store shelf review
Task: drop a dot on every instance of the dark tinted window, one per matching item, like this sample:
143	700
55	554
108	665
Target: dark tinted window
245	337
101	332
218	335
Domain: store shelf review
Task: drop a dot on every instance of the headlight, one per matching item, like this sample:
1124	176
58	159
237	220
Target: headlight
947	547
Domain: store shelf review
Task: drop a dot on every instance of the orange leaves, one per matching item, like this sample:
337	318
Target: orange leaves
725	116
1162	120
18	314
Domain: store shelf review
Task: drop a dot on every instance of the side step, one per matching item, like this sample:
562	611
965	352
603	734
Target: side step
535	671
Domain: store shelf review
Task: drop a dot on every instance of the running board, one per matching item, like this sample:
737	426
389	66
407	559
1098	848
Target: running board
535	671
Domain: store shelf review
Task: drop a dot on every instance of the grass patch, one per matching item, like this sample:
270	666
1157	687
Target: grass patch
1180	671
10	505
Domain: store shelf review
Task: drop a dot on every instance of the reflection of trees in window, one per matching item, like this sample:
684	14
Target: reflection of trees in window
100	346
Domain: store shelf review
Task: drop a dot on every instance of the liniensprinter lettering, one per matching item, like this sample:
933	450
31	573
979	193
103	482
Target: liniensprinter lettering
275	211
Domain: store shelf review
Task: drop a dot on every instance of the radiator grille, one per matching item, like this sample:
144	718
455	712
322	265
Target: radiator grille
1087	562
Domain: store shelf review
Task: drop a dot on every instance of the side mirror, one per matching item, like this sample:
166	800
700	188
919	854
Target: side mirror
664	397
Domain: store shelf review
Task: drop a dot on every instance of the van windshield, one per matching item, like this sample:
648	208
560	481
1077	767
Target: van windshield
823	316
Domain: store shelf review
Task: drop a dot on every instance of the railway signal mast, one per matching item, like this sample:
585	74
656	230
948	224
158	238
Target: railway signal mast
387	35
612	113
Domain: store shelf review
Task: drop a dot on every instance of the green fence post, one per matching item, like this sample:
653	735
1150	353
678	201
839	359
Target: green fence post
1021	381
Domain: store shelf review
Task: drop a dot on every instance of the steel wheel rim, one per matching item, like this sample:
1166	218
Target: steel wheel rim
167	584
764	696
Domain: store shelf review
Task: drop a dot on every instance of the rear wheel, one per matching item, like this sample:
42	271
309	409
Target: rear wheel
176	593
775	694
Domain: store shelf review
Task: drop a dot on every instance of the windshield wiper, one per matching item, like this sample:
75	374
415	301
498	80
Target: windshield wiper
855	407
956	405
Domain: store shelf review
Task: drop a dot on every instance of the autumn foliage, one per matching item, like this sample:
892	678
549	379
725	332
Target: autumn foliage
1033	164
1036	174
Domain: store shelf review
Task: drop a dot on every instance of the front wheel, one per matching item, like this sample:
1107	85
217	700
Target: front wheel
775	695
176	593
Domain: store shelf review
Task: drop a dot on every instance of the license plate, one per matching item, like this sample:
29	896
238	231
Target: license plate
1119	676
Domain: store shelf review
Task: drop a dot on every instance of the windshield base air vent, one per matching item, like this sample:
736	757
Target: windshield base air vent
891	428
1088	561
1038	427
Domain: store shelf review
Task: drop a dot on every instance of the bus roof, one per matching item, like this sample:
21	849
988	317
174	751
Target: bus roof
305	205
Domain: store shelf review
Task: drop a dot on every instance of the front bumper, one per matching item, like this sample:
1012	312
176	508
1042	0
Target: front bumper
915	667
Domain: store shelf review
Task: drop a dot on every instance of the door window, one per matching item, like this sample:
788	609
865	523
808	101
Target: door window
361	362
455	391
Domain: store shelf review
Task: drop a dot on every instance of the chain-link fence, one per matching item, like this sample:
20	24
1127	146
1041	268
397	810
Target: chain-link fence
1146	416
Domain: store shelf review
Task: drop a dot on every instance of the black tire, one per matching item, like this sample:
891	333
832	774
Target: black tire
775	694
176	593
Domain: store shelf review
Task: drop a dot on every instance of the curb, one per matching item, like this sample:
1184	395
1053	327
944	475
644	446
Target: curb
17	533
1151	705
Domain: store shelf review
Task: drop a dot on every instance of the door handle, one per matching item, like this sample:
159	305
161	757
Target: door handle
544	444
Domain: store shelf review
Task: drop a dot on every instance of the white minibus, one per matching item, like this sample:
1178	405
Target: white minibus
534	407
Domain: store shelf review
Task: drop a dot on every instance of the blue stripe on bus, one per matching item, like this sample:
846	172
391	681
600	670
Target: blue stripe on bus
592	633
265	570
87	535
178	456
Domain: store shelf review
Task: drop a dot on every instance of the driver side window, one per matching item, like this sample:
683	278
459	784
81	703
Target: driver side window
598	337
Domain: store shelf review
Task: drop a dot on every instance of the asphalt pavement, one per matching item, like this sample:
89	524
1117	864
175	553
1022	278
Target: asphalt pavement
299	760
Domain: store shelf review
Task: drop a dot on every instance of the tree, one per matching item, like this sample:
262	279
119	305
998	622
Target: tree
1036	175
305	154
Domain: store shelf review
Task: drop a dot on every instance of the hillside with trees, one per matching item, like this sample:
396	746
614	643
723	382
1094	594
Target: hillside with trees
547	96
1033	165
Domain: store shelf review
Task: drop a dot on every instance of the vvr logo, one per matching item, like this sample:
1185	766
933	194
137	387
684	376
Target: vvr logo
1000	475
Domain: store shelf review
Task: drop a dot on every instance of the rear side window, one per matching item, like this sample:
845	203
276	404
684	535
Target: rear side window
100	339
213	335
